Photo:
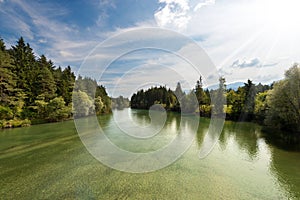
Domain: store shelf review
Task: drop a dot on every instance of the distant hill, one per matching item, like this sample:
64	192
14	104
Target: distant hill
233	86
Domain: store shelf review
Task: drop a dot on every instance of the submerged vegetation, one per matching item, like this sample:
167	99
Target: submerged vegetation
33	90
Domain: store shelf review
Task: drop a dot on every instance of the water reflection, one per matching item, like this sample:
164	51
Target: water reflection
246	136
244	139
286	168
127	128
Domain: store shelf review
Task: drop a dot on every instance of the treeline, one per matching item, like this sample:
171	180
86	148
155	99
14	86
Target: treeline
120	103
155	95
276	106
90	98
33	90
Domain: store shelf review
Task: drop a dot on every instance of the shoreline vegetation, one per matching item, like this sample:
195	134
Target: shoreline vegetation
35	91
276	107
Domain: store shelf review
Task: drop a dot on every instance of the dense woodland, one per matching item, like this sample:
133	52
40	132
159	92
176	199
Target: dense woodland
276	106
33	90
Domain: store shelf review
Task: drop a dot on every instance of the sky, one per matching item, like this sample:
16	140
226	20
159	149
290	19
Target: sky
243	39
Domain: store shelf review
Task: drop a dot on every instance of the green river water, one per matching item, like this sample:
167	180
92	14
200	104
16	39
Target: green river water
49	161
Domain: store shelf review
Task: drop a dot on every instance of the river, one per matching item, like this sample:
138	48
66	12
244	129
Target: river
49	161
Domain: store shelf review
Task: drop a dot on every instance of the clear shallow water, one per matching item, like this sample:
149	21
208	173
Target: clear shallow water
49	162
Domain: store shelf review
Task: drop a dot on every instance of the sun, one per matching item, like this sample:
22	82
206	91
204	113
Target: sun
282	15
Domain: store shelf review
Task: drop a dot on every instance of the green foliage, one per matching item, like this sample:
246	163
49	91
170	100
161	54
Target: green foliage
199	91
106	100
32	88
178	91
155	95
93	91
235	102
189	103
5	112
57	110
249	103
205	110
284	103
7	78
219	98
99	105
25	68
260	106
82	104
65	80
246	103
13	123
41	108
44	84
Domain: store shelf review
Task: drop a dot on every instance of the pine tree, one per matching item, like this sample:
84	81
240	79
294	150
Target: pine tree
199	91
7	78
220	99
25	67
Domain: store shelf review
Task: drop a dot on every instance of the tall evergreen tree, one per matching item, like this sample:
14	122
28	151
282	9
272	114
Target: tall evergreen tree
249	103
24	68
199	91
219	97
7	78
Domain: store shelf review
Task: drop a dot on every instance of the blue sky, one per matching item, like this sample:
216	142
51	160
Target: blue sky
256	39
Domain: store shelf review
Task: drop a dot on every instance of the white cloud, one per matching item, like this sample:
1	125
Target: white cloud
234	30
204	3
255	62
66	54
19	26
174	14
245	39
65	44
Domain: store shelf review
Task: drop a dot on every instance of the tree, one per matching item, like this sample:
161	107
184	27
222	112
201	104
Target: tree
65	80
261	106
24	68
57	110
189	103
284	103
235	103
249	103
155	95
178	91
68	80
7	78
219	98
44	84
99	105
33	88
82	104
199	91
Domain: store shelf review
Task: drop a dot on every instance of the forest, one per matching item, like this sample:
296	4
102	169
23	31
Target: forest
34	91
275	106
